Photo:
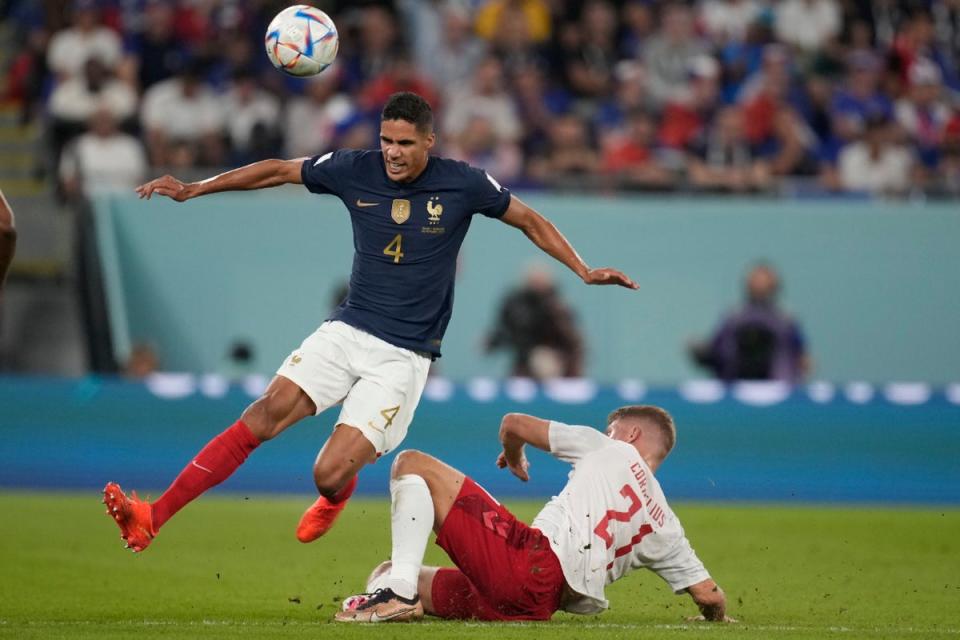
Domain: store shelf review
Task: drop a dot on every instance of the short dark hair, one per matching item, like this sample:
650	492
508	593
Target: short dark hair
655	416
411	107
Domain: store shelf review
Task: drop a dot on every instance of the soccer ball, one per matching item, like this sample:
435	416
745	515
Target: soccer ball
301	41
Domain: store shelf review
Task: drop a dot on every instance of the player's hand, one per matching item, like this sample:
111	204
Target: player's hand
165	186
609	276
519	469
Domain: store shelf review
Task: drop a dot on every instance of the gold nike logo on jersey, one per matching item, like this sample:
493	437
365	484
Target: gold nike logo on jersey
361	203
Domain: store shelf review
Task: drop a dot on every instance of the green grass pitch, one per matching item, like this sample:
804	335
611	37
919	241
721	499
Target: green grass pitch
229	566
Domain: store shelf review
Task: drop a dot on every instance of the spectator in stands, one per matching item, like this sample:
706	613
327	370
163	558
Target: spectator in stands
923	114
637	24
540	330
816	112
377	43
357	133
589	69
759	341
537	104
742	59
947	180
183	110
946	19
533	15
629	155
28	74
234	54
629	96
487	98
401	75
771	125
687	116
252	117
311	120
569	154
876	164
807	25
669	53
86	38
155	53
916	40
102	161
727	21
444	48
860	97
480	146
74	100
724	160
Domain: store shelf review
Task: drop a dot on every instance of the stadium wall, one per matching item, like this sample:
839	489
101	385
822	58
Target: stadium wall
874	284
896	443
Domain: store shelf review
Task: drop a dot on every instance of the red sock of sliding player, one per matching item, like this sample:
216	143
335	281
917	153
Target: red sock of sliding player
214	464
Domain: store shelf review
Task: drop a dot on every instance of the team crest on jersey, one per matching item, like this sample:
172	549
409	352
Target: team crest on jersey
400	211
434	210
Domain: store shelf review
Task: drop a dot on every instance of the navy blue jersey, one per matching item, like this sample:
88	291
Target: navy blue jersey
406	238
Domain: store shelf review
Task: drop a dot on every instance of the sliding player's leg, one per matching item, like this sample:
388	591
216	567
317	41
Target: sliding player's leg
422	492
511	573
445	592
376	414
282	405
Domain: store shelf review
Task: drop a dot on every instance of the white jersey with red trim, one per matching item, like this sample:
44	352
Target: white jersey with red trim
610	519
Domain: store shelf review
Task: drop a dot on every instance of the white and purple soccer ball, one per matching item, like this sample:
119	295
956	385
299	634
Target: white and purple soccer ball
301	41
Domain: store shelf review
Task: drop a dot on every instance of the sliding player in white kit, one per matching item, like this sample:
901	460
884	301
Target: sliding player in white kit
610	519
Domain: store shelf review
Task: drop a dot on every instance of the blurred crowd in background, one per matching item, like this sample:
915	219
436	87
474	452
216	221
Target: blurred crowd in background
791	96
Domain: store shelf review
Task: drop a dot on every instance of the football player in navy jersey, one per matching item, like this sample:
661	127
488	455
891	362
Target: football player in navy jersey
410	212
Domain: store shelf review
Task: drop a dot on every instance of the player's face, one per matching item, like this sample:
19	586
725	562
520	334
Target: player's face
405	150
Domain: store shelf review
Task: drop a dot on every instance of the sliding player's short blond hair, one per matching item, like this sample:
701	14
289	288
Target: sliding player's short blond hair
653	415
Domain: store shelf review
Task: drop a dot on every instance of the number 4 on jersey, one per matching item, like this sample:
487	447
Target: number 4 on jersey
395	248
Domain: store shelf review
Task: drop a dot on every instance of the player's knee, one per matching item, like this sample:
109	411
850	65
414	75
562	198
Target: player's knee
408	461
255	417
329	480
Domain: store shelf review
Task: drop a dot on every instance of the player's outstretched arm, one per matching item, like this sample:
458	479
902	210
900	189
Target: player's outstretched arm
711	601
8	237
545	235
516	431
259	175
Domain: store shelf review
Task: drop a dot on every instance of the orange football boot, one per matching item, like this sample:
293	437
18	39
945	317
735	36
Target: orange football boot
133	515
321	515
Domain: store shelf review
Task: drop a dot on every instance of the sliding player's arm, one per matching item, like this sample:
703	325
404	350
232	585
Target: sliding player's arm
8	237
711	601
516	431
259	175
545	235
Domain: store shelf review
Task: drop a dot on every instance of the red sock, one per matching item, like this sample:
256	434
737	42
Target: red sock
345	492
214	464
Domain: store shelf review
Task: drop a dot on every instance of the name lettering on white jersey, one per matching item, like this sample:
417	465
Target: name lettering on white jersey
492	181
323	158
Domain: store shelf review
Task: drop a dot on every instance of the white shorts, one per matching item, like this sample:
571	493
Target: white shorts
379	383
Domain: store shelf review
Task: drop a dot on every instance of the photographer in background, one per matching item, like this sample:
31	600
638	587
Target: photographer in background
759	341
540	330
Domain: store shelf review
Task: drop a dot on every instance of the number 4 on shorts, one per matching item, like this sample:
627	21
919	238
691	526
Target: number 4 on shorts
389	415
